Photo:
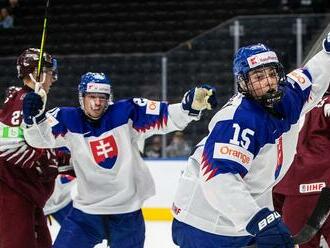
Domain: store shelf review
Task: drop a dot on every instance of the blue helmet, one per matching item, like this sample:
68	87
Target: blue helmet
94	82
253	57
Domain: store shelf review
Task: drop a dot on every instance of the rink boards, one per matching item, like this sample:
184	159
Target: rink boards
166	175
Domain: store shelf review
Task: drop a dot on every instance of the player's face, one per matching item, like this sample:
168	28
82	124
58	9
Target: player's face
95	104
48	81
262	80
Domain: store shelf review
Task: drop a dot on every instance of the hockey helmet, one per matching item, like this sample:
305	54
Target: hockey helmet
94	82
255	57
27	63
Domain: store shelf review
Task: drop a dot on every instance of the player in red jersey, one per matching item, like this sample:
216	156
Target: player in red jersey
26	174
296	194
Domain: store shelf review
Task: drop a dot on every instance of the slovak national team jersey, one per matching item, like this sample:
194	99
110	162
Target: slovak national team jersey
112	177
230	176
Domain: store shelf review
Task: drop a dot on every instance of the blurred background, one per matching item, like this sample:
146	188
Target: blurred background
156	49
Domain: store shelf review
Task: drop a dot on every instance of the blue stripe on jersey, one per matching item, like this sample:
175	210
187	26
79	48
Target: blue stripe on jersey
306	72
250	129
217	166
59	114
143	122
74	120
292	102
278	170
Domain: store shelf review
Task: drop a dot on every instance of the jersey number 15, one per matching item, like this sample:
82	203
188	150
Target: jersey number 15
241	137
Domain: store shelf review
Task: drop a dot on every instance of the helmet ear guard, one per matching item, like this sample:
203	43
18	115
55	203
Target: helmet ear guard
242	84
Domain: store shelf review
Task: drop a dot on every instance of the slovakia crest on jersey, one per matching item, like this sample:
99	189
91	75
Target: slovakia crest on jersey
104	151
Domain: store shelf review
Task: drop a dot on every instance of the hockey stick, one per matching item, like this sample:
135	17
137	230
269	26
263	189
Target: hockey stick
315	220
43	39
38	85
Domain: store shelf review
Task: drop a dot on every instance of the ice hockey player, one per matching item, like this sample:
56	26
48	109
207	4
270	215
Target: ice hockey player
298	192
26	174
112	179
224	196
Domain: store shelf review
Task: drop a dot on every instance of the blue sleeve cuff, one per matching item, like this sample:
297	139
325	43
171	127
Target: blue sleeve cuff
264	219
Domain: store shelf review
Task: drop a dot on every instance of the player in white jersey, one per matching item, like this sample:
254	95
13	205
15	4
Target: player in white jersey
224	197
60	202
102	136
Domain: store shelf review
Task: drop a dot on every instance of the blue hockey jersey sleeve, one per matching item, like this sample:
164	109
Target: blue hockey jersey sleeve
223	153
153	117
147	114
296	92
227	158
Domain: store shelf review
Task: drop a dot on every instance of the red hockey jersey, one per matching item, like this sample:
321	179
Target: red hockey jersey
310	170
23	168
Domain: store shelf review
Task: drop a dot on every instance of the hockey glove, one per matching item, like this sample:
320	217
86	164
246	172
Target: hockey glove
47	166
326	43
198	99
269	230
32	108
64	162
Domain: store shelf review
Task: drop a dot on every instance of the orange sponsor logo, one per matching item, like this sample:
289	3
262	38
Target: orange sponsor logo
298	77
226	150
152	105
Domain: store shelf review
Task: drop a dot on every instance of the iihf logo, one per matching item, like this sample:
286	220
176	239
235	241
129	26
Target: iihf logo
105	151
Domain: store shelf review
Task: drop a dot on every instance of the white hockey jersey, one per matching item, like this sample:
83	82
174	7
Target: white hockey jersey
112	177
61	196
230	175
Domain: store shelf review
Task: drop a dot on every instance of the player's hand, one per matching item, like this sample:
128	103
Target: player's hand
65	165
42	93
32	108
326	43
63	157
198	99
269	230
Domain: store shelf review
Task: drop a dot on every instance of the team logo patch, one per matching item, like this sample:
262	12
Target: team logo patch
51	120
311	187
153	108
299	77
51	117
104	151
232	152
262	58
